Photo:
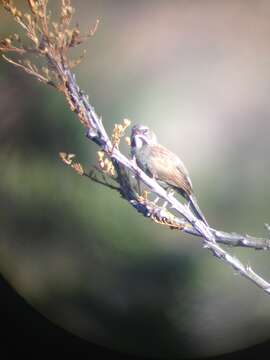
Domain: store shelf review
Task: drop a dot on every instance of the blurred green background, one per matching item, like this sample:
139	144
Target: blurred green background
198	73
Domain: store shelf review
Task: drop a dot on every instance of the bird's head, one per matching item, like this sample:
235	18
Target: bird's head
142	135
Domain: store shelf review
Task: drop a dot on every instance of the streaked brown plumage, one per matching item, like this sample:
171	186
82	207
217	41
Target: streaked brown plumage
162	164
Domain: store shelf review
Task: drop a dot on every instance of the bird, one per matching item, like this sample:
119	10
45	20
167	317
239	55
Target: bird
163	165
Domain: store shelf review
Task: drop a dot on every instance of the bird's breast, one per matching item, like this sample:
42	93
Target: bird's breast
143	158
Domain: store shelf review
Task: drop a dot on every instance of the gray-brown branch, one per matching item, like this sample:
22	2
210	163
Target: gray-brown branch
150	209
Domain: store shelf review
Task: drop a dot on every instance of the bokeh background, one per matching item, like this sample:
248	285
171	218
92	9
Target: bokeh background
198	73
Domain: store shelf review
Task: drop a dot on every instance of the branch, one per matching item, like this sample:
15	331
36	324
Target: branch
52	42
159	214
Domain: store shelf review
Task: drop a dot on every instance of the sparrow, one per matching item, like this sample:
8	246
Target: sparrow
163	165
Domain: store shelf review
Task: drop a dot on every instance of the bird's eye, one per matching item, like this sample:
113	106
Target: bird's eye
145	131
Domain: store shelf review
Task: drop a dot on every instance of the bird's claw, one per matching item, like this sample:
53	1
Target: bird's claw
165	205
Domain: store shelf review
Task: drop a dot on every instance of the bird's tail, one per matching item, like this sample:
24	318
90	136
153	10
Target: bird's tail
195	208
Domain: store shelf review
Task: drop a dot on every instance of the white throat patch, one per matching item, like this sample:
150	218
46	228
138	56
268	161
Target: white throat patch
138	142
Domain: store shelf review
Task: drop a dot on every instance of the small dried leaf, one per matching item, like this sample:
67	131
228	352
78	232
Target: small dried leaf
66	158
33	4
128	141
16	37
28	18
127	122
100	155
94	29
78	168
6	42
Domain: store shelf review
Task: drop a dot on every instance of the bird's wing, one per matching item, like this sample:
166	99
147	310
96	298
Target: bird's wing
167	167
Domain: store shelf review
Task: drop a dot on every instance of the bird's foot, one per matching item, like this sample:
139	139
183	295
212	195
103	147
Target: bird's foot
170	192
165	205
